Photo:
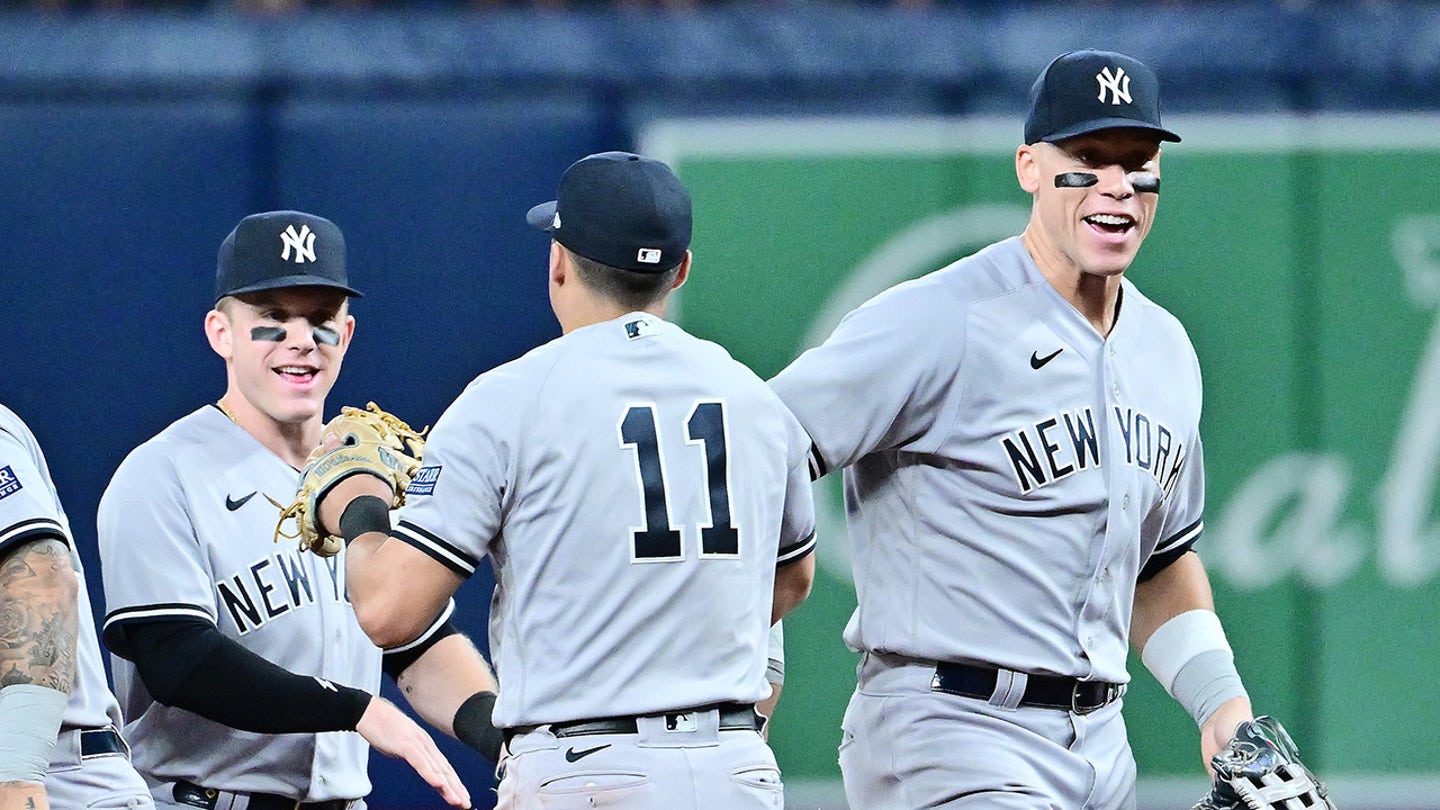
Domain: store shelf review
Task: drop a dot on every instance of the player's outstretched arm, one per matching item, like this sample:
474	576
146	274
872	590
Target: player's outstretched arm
390	732
397	590
451	687
1179	637
38	627
188	664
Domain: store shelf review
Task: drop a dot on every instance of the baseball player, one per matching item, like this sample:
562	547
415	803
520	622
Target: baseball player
1020	438
646	503
242	669
57	714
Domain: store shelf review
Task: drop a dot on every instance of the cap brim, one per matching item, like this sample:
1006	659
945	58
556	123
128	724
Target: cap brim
286	282
542	216
1097	124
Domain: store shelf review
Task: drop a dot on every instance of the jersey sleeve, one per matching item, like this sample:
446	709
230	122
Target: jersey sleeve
151	562
453	505
880	380
797	522
28	510
1180	517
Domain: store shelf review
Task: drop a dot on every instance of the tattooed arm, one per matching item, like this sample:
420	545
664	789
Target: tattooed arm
38	626
39	615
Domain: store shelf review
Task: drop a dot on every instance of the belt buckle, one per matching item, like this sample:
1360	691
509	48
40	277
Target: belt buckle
1112	692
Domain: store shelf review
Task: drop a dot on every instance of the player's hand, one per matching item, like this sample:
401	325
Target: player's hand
1219	728
393	734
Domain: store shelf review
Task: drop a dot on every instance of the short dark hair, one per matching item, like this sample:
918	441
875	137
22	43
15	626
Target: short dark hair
633	290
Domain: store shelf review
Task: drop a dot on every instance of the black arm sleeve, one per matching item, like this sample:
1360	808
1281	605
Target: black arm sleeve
188	664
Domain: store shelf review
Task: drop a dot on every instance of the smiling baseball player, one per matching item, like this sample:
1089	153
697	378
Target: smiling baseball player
243	671
1020	438
57	715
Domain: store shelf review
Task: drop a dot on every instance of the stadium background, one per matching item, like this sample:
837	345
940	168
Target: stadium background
831	148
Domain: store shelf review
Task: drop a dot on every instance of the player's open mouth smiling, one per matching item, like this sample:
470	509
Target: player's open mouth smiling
297	374
1111	223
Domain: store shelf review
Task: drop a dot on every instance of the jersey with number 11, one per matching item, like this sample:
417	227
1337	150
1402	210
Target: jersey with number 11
635	488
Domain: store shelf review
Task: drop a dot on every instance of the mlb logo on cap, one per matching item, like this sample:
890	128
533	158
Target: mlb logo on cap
622	210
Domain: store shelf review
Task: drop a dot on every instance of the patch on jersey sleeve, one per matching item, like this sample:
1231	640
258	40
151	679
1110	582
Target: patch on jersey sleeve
424	481
640	327
9	484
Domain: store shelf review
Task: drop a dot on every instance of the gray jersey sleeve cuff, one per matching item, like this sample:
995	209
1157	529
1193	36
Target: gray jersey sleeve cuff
442	552
796	551
33	529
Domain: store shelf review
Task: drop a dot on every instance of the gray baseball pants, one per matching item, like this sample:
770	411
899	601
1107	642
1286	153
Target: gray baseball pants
694	767
906	746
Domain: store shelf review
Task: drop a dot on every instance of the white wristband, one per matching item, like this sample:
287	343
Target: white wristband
1191	658
30	716
775	656
1179	640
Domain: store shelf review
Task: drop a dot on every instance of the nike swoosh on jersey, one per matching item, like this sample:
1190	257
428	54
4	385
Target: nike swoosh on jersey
572	755
1037	362
235	503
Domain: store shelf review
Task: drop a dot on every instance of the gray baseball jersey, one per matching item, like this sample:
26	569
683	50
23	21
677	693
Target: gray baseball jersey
635	487
186	530
1008	471
30	508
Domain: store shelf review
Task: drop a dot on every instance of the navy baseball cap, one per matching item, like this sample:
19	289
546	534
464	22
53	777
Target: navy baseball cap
620	209
1085	91
279	249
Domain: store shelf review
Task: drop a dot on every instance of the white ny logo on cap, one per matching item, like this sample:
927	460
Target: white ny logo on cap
303	243
1117	83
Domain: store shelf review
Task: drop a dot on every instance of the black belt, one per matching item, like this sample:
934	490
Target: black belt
101	741
1044	691
192	795
733	717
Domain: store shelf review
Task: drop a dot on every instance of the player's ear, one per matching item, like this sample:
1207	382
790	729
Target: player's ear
220	333
1027	169
557	264
684	272
349	333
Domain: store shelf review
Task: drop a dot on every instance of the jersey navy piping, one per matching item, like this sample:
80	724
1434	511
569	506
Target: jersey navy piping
32	529
443	552
796	551
1186	536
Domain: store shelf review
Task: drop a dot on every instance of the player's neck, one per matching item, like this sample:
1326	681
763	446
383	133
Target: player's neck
593	310
291	441
1093	296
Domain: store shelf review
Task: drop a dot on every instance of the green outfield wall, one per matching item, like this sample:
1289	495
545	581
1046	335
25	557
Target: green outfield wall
1303	256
